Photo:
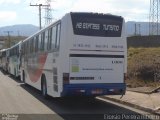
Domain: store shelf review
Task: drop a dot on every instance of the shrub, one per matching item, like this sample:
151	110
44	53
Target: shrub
144	63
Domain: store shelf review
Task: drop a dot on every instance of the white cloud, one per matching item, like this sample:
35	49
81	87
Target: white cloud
10	1
90	6
6	16
62	4
129	9
56	4
136	10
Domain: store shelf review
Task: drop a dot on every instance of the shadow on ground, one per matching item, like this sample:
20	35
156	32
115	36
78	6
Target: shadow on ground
74	108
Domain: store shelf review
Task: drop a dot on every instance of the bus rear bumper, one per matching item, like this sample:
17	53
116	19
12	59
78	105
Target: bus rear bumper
93	89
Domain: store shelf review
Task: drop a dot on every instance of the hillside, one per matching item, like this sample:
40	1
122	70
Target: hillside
28	29
19	30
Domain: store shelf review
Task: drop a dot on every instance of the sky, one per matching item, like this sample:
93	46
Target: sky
20	12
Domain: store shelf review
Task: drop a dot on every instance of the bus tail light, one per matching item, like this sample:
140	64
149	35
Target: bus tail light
65	78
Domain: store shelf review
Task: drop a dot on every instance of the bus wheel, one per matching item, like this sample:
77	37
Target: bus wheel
23	77
44	87
14	72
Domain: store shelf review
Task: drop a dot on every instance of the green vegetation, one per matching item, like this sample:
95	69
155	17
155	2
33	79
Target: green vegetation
143	67
11	40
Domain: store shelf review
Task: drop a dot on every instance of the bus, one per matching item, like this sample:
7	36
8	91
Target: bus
1	58
81	54
14	60
5	59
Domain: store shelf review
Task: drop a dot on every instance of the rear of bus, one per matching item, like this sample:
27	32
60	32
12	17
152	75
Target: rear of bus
96	54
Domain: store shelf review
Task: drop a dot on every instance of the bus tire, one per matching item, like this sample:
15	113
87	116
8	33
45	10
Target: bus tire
44	87
14	72
23	76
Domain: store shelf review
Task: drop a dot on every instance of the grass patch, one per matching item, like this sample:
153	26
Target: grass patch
143	66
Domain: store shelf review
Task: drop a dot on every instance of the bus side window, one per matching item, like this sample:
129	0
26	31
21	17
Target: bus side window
46	40
49	39
27	48
13	51
24	48
58	36
42	41
17	51
31	45
10	52
36	44
39	42
53	37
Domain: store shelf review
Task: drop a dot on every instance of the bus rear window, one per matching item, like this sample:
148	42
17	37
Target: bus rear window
89	24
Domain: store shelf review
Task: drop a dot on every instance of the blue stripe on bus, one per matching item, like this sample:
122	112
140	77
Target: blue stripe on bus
107	88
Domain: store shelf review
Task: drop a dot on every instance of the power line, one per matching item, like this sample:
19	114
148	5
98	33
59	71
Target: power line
40	6
9	40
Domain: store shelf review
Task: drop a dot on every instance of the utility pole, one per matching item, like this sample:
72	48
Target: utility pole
135	29
39	5
139	26
9	40
154	17
18	33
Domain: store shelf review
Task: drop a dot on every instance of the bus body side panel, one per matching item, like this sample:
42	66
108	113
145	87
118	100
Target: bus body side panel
46	64
59	60
37	65
30	69
63	64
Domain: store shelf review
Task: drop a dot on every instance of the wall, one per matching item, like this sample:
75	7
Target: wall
143	41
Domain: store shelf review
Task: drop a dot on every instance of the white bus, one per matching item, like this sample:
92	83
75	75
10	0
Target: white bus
5	59
1	58
82	54
14	60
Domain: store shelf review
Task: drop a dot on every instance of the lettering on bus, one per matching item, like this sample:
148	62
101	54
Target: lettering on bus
117	46
111	27
93	26
81	45
97	25
101	46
